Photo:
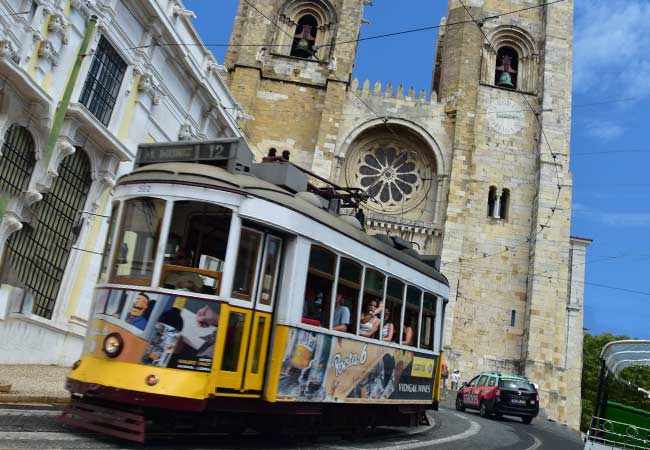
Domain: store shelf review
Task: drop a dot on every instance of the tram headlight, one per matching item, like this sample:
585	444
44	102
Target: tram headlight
113	344
151	380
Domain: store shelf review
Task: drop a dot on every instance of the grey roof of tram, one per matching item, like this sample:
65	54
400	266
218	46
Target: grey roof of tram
215	176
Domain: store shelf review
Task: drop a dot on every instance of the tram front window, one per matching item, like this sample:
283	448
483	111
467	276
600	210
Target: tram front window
136	246
196	247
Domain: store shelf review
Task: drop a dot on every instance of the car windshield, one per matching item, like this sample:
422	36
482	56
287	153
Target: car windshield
520	385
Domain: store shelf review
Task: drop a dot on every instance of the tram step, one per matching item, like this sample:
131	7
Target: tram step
101	419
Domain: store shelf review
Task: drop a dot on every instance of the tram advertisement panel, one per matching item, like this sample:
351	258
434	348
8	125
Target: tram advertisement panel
320	367
161	330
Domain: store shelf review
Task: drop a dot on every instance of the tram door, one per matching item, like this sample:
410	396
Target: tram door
245	324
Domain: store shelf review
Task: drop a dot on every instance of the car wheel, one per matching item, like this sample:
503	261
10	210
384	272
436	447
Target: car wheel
527	419
484	409
459	404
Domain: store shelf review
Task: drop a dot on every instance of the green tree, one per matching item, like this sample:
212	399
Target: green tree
618	390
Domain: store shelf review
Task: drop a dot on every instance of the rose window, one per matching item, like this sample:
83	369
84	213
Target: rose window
390	176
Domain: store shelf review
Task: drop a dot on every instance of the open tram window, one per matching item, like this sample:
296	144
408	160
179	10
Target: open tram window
412	315
347	296
318	290
196	247
394	302
136	244
373	293
427	336
246	268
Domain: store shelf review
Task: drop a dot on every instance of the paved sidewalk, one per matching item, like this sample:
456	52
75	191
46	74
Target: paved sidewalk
34	384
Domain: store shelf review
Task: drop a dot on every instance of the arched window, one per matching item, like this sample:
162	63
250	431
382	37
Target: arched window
304	27
305	37
515	64
492	201
505	204
506	68
38	253
17	160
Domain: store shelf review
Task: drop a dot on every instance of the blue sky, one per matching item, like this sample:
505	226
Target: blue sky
609	156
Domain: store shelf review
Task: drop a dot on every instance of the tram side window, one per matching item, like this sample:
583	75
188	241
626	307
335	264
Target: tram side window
428	321
394	301
347	296
196	247
109	242
136	244
318	290
246	268
412	315
373	294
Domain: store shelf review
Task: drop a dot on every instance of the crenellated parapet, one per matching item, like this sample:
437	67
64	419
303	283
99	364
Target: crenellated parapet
388	92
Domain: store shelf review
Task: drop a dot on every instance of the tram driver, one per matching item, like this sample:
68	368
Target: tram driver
188	281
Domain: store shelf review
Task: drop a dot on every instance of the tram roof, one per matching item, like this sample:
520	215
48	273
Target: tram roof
205	175
619	355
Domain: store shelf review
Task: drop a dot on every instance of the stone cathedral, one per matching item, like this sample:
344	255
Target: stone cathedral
475	170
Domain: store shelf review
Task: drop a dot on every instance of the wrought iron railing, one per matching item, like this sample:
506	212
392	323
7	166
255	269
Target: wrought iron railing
619	435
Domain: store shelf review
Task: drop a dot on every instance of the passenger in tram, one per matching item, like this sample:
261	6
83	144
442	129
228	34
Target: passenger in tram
407	333
388	329
188	281
369	323
313	305
341	315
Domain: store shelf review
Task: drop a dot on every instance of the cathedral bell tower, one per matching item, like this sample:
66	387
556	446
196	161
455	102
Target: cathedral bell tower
290	63
506	83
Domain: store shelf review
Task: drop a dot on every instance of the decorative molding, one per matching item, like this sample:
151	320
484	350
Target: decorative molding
213	66
186	133
148	86
178	10
47	51
7	50
59	25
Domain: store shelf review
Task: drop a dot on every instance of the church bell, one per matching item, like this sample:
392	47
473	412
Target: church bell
303	45
506	81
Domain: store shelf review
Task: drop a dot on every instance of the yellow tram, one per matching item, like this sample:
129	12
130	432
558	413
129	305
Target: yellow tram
235	294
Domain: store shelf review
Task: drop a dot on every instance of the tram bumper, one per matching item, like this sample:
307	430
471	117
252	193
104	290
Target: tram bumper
129	425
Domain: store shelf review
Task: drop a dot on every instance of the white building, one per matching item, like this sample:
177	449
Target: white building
82	83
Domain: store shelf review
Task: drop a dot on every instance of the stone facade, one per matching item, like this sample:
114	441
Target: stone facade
165	93
472	171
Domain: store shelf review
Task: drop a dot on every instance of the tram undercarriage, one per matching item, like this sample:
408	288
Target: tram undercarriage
138	417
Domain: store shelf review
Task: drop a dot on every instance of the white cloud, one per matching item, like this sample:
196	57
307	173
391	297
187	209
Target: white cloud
611	47
626	219
613	219
604	130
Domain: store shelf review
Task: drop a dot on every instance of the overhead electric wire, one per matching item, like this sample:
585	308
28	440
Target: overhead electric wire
543	133
351	41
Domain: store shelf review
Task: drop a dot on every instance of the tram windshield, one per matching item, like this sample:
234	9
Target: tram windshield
194	250
136	246
196	247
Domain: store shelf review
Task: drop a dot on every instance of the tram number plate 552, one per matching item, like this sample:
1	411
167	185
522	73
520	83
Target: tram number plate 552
144	188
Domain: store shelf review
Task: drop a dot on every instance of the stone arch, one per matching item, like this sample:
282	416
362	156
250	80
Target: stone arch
290	14
521	42
37	254
400	172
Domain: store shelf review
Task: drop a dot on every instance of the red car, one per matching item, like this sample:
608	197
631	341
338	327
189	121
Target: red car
493	393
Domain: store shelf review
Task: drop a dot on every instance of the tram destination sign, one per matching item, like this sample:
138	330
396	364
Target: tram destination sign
215	152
